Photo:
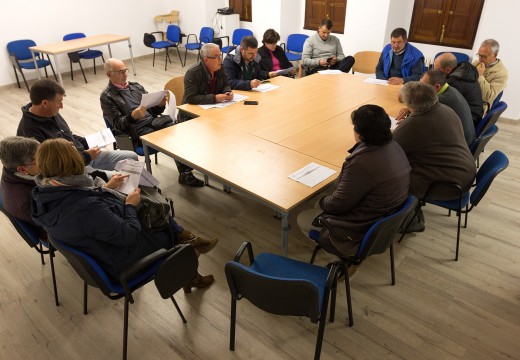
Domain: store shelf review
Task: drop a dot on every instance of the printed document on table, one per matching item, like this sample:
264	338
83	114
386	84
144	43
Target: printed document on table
152	99
101	138
312	174
376	81
146	179
236	98
133	169
265	87
285	71
330	72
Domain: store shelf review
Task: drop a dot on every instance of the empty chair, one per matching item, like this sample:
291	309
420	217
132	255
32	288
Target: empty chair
460	56
173	39
490	118
83	54
294	46
160	265
477	146
282	286
176	86
377	240
366	62
21	58
205	36
238	34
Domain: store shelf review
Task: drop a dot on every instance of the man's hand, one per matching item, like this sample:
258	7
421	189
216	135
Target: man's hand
396	81
134	198
163	101
273	74
324	63
481	69
116	181
403	114
333	61
224	97
94	152
255	83
139	113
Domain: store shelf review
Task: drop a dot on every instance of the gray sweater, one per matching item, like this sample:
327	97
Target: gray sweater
315	49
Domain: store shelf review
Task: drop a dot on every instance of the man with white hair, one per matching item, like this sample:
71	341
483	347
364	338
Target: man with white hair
492	72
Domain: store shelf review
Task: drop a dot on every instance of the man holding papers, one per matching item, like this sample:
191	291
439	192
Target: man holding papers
41	120
121	105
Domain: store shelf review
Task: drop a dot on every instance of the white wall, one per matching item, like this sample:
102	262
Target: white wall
368	26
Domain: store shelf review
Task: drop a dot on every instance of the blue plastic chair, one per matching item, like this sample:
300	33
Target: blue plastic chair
294	46
238	34
84	54
21	58
205	36
377	240
30	235
460	56
171	269
477	146
497	100
490	118
282	286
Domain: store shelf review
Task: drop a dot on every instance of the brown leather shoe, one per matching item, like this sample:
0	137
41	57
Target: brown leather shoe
199	282
200	244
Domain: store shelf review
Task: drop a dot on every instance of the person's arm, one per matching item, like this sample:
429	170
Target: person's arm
492	86
353	185
339	51
307	54
380	73
235	82
194	90
416	71
120	118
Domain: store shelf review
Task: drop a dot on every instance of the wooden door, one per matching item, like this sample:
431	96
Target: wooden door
317	10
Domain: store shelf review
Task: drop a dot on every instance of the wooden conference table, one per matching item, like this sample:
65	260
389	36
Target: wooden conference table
253	149
62	47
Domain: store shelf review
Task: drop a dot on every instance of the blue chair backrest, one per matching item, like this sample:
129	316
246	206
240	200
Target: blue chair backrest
497	100
382	232
239	33
206	35
460	56
494	165
20	49
73	36
490	118
295	42
173	33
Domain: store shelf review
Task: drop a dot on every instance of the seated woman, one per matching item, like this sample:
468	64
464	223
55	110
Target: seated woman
373	182
97	220
273	56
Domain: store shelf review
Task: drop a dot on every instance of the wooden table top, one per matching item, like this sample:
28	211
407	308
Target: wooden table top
79	44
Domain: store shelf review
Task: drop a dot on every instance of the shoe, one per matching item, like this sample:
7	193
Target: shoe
201	245
187	178
198	282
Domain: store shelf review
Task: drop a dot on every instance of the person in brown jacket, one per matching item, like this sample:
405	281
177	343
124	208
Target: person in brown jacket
373	182
433	140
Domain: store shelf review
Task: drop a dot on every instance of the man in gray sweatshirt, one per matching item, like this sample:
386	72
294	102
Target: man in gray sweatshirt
323	51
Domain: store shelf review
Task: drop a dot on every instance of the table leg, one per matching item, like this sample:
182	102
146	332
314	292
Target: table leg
131	56
147	160
109	51
285	233
206	180
60	79
36	65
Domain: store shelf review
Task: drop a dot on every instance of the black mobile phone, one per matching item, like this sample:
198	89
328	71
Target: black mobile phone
329	59
250	102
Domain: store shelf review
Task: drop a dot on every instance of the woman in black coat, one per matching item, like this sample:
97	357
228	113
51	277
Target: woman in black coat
273	56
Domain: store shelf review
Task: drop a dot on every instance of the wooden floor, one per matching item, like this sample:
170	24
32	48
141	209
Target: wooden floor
439	308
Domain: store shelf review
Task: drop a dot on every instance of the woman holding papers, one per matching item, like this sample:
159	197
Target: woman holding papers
100	221
274	60
373	182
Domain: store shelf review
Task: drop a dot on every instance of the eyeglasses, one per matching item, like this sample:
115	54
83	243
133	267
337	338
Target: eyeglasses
120	72
215	57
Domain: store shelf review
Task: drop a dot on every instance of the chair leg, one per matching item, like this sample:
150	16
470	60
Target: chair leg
156	159
71	71
180	59
178	309
25	81
349	299
232	325
316	249
85	297
40	246
125	328
466	217
166	59
185	54
459	214
81	67
94	68
392	265
17	80
53	273
319	340
153	62
333	299
52	68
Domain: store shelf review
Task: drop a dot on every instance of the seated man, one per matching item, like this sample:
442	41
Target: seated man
17	154
463	77
400	61
323	51
433	140
121	105
451	97
243	68
492	72
41	120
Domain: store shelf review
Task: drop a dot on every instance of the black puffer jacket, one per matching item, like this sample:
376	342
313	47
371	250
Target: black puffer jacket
464	77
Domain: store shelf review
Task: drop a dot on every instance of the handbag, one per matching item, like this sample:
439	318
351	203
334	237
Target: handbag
161	122
153	210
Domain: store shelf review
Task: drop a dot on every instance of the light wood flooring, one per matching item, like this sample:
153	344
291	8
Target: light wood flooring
439	308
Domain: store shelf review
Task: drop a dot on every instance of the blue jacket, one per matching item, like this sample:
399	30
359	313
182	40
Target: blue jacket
96	222
411	56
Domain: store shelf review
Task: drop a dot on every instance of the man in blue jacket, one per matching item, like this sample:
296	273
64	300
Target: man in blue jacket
400	62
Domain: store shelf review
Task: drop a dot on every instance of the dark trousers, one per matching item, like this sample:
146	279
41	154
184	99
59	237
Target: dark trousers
344	65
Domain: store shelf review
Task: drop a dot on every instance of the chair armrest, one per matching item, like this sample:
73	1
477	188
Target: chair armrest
188	38
283	46
245	244
141	264
159	32
222	37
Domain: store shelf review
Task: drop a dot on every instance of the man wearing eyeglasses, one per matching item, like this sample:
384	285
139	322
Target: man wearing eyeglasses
243	68
400	61
492	72
121	105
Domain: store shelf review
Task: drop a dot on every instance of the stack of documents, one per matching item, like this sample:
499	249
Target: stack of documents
236	98
312	174
101	138
137	175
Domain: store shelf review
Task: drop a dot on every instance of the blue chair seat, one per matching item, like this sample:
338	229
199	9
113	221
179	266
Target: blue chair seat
293	57
139	150
90	54
30	64
193	46
162	44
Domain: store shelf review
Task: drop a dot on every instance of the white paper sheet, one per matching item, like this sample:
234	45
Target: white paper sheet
236	98
101	138
146	179
152	99
394	123
312	174
133	169
285	71
265	87
330	72
376	81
